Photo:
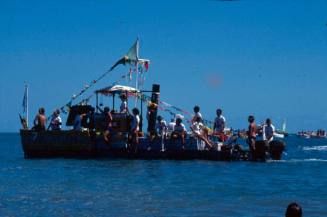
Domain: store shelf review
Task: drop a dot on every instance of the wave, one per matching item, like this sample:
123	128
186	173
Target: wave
298	160
315	148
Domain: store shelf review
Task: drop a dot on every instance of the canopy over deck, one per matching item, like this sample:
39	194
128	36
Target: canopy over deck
117	89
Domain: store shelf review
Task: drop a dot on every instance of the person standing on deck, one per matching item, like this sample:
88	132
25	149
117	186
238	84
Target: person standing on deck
268	131
219	125
40	120
197	114
252	133
135	127
108	123
55	123
123	105
77	126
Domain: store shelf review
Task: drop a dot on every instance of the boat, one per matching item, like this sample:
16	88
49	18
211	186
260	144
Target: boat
90	142
319	134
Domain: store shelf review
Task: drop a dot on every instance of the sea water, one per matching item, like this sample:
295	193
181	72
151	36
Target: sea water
105	187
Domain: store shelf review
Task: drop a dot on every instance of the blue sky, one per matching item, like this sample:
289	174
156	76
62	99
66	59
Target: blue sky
261	57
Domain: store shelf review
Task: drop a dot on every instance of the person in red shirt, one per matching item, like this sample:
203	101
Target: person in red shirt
252	133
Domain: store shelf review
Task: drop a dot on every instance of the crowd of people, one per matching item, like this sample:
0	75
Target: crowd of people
173	130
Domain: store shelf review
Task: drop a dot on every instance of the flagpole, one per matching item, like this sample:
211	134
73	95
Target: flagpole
26	86
137	68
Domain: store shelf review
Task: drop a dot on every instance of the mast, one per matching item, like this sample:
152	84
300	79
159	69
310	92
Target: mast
26	86
153	111
25	103
137	68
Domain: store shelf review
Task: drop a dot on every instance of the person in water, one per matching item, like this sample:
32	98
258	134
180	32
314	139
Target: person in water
199	130
268	131
108	124
197	114
293	210
40	120
135	127
179	131
55	123
123	105
251	133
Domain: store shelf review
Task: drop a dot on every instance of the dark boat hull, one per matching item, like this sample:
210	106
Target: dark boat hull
72	144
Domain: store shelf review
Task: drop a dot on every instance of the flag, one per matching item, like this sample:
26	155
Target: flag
133	52
132	56
25	100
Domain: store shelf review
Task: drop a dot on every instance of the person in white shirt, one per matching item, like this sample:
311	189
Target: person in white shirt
179	131
123	105
268	131
161	126
171	125
198	130
55	123
197	114
135	126
219	124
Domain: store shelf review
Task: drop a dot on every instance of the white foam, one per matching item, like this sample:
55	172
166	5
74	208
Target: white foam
298	160
315	148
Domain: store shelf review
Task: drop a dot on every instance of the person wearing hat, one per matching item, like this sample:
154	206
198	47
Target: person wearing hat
123	105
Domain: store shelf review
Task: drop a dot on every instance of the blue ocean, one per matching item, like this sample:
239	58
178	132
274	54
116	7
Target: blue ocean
106	187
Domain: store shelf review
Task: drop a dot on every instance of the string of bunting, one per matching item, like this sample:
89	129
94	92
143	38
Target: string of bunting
85	88
165	107
66	107
130	58
86	100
